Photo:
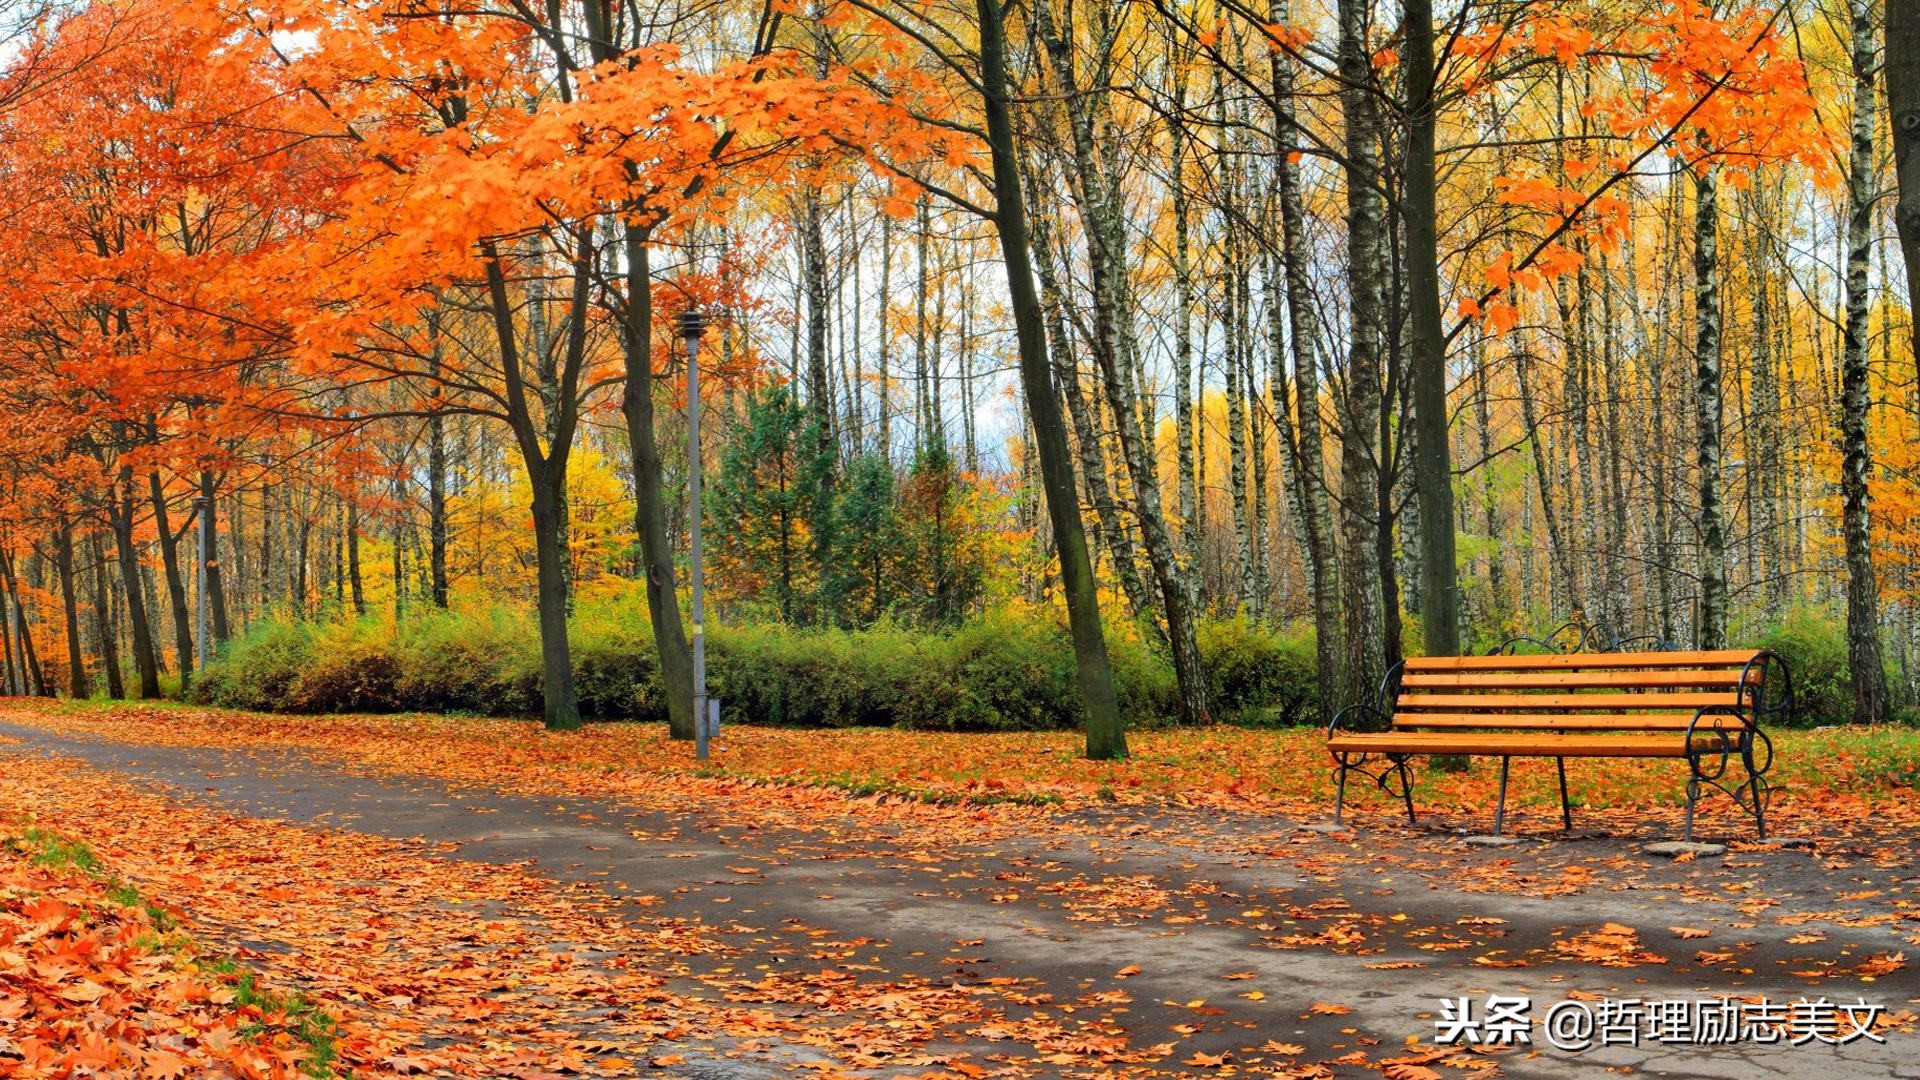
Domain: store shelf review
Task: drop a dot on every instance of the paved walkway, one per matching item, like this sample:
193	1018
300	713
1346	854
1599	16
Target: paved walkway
1220	935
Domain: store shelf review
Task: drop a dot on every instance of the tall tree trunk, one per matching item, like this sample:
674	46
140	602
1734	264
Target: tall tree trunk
1863	594
1106	735
546	470
1360	465
216	579
1235	333
1303	334
1432	469
650	508
1763	431
436	481
33	679
1115	353
1183	397
813	266
884	315
12	686
562	708
1902	69
78	685
121	515
1489	500
1614	590
1093	455
176	587
1712	630
353	558
103	623
922	424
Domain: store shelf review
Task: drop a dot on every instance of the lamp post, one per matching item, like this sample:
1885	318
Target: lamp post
693	324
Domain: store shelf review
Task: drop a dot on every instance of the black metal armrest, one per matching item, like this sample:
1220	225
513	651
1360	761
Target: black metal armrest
1340	719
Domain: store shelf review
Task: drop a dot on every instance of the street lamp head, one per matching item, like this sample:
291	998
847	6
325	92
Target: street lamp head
693	324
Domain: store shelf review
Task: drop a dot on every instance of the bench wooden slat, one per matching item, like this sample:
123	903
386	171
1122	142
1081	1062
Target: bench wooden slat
1562	721
1576	702
1516	745
1578	661
1570	680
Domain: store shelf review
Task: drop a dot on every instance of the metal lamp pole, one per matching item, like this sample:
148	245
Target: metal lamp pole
693	324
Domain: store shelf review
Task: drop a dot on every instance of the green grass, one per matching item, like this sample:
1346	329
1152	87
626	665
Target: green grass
294	1013
57	853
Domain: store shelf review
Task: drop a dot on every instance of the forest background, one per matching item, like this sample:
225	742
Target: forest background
1069	364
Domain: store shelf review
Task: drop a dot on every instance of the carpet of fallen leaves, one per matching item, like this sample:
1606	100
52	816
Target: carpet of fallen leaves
1819	776
94	981
434	965
428	965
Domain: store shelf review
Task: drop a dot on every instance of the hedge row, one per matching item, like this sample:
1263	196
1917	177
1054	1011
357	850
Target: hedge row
1004	672
1011	671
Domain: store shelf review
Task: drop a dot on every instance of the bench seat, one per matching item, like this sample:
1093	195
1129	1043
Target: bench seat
1703	707
1518	744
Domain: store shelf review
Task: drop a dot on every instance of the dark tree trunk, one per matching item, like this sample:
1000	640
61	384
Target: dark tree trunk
12	686
1712	630
546	476
78	686
1106	733
176	586
121	514
650	506
1432	468
436	486
549	486
33	679
103	619
357	588
216	579
1902	69
1361	464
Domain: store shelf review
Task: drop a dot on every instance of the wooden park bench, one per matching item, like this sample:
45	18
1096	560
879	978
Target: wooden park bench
1704	707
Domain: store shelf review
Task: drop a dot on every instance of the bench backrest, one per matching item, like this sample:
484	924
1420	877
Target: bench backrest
1650	691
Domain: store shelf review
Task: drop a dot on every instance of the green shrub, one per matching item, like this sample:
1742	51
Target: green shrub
484	661
1815	648
1011	675
1257	676
351	667
788	677
259	670
616	670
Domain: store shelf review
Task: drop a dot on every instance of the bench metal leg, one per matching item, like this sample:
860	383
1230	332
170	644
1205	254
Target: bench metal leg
1406	788
1566	808
1753	790
1693	796
1500	808
1339	793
